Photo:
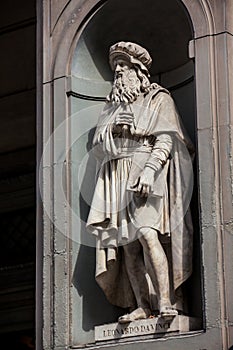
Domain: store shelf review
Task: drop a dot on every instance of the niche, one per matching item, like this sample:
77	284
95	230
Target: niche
164	29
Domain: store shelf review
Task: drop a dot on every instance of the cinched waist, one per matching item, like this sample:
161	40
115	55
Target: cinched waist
125	152
146	140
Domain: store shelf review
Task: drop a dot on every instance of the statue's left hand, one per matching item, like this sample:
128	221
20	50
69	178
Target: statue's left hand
145	182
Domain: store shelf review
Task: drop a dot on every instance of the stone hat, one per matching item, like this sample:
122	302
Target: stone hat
134	53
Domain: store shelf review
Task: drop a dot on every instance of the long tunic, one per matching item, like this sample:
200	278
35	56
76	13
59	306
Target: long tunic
127	139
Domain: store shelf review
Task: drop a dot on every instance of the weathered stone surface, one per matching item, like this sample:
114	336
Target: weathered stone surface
57	55
228	237
203	90
57	8
153	326
218	16
211	276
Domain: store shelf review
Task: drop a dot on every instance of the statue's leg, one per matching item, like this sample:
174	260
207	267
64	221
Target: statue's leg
156	256
137	275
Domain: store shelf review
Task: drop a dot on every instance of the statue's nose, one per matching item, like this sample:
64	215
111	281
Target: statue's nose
118	68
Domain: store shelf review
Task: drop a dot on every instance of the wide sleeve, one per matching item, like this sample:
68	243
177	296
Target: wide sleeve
160	152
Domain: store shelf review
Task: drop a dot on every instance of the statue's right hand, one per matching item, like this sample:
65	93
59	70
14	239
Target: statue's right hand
145	182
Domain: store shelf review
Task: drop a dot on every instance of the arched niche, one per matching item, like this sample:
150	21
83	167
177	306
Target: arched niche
165	36
165	30
63	308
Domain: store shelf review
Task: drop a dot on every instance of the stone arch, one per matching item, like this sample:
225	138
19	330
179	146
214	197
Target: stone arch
67	28
201	15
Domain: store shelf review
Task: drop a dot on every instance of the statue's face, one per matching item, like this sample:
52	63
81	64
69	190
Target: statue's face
126	84
122	66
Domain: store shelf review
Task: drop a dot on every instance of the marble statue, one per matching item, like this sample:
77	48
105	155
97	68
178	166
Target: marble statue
138	211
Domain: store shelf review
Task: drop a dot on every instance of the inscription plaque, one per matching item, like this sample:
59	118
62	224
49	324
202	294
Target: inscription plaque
149	326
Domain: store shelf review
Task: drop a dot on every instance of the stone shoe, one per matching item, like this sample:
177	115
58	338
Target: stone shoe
168	312
138	314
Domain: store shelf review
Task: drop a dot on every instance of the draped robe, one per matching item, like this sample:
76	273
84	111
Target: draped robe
116	212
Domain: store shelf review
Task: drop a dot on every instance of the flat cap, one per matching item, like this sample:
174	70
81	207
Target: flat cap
135	53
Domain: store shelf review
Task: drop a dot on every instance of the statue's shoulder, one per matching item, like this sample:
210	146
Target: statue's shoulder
157	94
156	88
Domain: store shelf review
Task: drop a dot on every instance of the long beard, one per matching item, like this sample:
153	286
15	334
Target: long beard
126	88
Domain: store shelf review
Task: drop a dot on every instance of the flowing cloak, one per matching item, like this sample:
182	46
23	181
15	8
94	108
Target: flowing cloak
153	114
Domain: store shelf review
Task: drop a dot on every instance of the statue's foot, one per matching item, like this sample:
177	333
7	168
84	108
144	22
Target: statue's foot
138	314
168	312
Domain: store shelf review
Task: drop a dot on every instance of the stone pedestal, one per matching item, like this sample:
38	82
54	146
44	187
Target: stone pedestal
152	326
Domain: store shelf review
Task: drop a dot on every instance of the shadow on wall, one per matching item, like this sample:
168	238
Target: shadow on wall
96	310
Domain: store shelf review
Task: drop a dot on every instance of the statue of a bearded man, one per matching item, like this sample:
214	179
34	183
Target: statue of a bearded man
140	206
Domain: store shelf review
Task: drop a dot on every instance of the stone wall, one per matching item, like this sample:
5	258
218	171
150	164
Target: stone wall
62	25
